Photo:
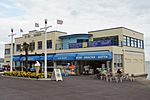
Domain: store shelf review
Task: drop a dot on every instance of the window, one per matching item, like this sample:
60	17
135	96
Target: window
49	44
18	47
128	41
139	44
135	43
7	51
142	44
32	44
124	40
118	60
114	40
82	40
132	42
39	44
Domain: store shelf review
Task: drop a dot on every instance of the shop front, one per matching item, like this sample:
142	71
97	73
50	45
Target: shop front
67	63
88	62
19	62
83	63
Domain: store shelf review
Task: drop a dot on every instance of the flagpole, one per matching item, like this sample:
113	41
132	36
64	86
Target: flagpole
45	31
11	61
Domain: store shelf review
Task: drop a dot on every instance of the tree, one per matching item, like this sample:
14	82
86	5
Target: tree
26	48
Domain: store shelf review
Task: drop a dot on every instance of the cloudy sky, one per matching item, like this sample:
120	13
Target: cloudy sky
79	16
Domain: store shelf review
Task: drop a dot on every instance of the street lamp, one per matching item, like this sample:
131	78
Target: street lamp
11	61
45	50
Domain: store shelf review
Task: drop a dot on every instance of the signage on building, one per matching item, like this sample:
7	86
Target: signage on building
75	45
92	57
99	43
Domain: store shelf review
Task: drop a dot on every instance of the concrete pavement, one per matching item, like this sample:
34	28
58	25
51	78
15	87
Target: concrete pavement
72	88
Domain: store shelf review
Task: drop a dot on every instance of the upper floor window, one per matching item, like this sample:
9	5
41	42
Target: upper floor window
139	43
49	44
115	40
142	46
39	44
111	40
82	40
128	41
18	47
132	42
32	44
7	51
125	40
135	43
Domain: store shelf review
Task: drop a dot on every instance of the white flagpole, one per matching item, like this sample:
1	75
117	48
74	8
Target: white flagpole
45	31
11	61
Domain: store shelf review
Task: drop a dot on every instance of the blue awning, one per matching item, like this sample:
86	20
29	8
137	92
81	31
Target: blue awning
94	56
49	57
67	56
30	58
16	58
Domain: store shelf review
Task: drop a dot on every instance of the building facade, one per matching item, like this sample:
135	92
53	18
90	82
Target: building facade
115	48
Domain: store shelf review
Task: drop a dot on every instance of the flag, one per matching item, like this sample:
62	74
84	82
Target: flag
45	21
21	30
12	30
60	22
36	24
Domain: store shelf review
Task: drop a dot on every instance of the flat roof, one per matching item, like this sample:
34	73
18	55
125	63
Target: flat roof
115	28
64	36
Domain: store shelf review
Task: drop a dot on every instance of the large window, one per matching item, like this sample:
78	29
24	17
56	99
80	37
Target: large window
113	39
32	44
18	47
133	42
49	44
39	45
7	51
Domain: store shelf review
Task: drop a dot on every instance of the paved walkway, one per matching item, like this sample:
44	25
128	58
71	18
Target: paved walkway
72	88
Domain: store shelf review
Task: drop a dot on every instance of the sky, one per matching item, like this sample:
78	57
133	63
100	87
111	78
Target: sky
79	16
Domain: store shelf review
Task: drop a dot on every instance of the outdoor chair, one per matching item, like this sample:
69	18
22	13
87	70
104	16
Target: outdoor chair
127	77
109	78
118	78
131	77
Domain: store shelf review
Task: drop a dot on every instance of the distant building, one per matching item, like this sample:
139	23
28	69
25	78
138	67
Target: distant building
147	69
1	62
114	48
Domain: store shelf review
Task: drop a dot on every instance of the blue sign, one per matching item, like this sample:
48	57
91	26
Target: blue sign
67	56
99	43
75	45
94	56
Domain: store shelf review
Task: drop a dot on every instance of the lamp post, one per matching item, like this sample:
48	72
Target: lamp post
45	50
11	61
